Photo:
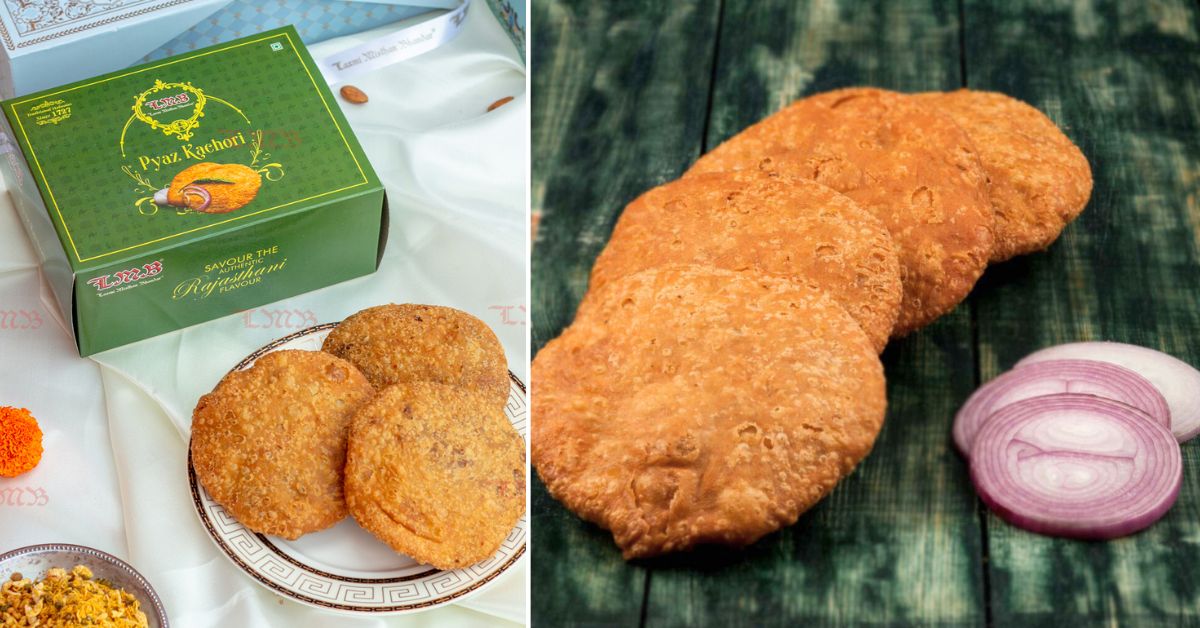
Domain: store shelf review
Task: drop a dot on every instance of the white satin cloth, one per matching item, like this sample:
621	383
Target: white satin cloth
113	475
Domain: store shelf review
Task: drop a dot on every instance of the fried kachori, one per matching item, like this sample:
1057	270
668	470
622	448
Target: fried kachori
269	442
1039	180
910	165
690	405
754	222
436	472
394	344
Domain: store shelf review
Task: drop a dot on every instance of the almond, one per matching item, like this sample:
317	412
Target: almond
500	103
353	94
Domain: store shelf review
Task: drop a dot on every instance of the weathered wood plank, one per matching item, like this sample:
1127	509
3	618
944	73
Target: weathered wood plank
620	91
1123	79
897	543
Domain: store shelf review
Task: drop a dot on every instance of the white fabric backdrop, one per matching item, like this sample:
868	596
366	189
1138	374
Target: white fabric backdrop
113	474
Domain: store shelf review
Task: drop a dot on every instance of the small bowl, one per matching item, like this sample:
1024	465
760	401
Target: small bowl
35	560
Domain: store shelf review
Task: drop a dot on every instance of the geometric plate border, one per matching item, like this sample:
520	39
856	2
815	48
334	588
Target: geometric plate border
422	589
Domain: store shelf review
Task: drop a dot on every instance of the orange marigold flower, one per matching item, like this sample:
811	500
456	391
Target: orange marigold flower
20	441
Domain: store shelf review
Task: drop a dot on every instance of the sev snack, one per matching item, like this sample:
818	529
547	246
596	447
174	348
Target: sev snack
67	599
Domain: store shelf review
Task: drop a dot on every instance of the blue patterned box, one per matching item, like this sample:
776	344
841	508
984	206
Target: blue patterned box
512	17
44	43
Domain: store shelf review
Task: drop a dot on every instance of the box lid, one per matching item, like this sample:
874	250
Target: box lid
193	146
27	27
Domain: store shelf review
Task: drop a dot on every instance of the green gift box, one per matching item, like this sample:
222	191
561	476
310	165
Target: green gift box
187	189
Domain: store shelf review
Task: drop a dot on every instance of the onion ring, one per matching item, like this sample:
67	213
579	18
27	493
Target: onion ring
1178	381
1077	466
196	191
1090	377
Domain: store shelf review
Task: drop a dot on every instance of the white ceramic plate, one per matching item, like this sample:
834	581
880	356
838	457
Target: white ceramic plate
344	568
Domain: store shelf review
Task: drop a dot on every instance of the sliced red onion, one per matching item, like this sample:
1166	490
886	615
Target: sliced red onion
1076	465
1178	382
1102	379
196	190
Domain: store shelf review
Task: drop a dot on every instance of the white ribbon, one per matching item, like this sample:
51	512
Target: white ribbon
405	43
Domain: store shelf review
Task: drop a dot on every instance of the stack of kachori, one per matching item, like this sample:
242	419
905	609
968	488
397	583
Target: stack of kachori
722	373
398	421
433	466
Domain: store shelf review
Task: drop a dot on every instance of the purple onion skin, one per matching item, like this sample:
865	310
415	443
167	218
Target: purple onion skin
195	190
1146	501
1178	381
1102	379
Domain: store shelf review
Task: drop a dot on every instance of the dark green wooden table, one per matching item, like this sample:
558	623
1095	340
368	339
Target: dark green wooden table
627	94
